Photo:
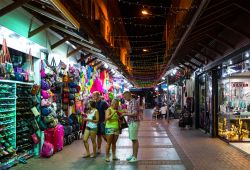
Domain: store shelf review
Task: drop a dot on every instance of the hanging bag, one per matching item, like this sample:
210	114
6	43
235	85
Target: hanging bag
6	67
53	65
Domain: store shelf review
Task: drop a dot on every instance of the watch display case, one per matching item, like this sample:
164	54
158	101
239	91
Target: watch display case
234	106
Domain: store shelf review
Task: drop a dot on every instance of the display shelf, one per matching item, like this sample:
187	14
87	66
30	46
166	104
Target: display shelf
24	116
8	120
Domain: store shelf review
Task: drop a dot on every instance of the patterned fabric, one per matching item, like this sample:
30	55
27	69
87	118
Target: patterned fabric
133	111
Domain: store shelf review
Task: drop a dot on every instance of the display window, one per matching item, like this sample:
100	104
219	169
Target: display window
234	103
205	102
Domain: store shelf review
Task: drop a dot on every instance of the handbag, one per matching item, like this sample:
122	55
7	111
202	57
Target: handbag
45	111
66	89
123	123
71	96
45	84
45	94
65	78
5	59
35	111
35	138
65	100
48	119
35	89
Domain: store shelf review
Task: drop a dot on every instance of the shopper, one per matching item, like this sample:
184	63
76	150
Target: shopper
91	128
112	129
101	106
133	124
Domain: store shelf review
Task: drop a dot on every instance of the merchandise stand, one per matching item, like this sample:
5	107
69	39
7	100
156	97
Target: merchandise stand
7	123
24	119
15	122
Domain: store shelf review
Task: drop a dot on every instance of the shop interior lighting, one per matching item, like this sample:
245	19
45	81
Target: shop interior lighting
106	65
247	54
156	88
230	62
163	78
174	71
247	61
145	50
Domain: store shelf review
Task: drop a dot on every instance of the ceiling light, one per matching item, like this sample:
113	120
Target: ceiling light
145	50
144	12
163	78
230	62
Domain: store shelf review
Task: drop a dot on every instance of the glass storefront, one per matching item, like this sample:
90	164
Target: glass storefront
205	102
234	101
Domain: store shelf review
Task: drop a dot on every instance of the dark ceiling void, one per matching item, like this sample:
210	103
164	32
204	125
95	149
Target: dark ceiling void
146	34
222	28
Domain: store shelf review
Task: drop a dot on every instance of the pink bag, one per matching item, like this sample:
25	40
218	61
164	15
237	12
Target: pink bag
45	102
47	150
49	135
45	94
58	138
35	138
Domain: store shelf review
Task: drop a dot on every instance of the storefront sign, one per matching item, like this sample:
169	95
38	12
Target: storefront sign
239	84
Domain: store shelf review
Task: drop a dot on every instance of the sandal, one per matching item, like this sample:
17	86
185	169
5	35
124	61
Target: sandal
86	156
93	156
107	160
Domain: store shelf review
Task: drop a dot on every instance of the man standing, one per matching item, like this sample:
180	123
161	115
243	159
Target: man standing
133	114
101	106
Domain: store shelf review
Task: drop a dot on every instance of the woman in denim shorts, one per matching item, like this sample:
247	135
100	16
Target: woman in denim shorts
112	129
91	128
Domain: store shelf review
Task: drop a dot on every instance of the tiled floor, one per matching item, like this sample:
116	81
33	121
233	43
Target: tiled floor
162	146
156	152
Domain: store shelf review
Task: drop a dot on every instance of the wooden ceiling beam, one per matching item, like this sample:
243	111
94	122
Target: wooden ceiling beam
211	49
97	63
202	54
74	51
90	61
12	7
220	41
60	42
196	65
41	28
196	58
188	66
234	30
84	57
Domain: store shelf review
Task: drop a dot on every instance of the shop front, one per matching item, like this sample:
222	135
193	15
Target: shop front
205	102
234	100
222	99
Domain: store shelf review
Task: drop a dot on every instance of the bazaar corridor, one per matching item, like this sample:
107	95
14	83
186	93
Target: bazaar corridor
162	146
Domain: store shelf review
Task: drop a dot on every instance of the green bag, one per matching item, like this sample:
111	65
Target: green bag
41	124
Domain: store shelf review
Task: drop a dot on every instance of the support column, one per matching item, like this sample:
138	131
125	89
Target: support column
214	118
196	101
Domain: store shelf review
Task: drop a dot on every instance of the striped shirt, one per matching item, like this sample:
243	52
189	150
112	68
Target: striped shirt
133	111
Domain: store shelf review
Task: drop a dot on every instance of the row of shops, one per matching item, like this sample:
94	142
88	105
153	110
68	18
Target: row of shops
218	97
